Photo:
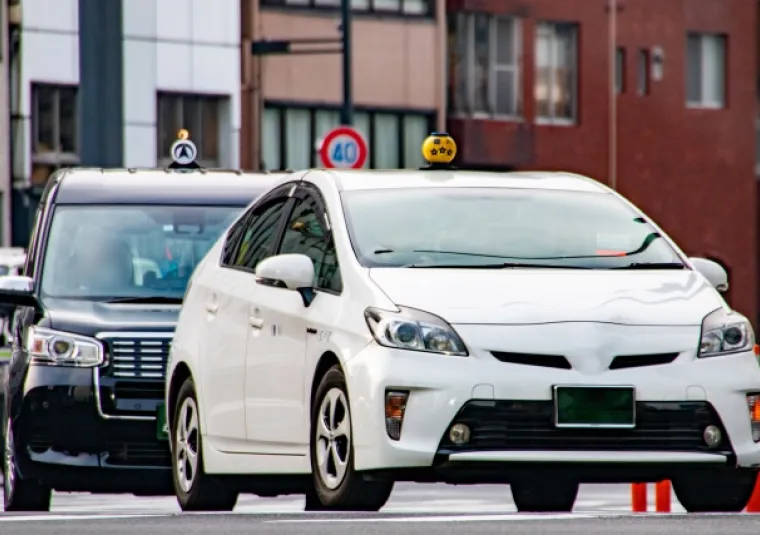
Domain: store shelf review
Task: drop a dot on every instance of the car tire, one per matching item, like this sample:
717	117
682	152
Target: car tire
545	495
336	485
20	494
195	490
719	491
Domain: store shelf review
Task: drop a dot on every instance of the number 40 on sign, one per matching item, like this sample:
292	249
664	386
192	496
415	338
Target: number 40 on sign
343	148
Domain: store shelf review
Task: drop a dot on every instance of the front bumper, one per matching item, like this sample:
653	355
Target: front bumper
63	438
509	408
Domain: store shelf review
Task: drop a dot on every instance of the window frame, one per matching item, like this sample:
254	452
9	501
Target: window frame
467	18
552	26
179	101
643	72
621	56
283	192
302	193
281	108
703	104
429	8
56	157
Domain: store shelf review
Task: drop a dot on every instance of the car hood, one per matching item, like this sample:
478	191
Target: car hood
91	317
529	296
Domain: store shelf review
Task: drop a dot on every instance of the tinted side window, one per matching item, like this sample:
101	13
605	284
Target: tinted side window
259	234
233	239
33	245
306	234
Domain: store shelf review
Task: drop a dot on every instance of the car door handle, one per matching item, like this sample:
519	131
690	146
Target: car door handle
212	308
256	323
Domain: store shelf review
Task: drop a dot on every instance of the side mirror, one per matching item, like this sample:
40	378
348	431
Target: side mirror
712	271
291	271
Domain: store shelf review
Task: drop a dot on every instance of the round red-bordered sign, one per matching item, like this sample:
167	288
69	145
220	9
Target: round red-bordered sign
343	148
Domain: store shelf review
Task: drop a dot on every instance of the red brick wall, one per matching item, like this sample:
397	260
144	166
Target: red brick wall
691	170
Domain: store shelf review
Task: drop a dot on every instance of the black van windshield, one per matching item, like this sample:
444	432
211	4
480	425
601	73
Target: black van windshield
128	251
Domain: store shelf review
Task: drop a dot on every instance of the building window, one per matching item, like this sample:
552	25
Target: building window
54	130
199	115
484	65
643	73
422	8
706	70
620	70
291	135
556	90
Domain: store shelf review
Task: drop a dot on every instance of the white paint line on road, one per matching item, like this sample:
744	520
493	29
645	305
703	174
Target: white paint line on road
43	518
447	518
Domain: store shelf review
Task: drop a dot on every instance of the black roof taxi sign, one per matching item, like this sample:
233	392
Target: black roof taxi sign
183	152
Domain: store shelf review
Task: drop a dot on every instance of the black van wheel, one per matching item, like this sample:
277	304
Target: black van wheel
20	494
337	486
195	490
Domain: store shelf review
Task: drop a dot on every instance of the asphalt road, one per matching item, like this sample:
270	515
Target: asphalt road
382	524
412	509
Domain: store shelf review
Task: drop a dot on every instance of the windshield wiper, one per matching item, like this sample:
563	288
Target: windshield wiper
652	265
147	299
504	265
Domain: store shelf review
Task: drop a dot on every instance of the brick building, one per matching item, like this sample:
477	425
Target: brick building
660	103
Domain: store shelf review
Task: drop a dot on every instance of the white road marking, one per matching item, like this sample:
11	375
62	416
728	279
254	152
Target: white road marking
447	518
42	518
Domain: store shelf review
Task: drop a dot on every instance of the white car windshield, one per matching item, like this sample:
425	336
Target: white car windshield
128	251
501	227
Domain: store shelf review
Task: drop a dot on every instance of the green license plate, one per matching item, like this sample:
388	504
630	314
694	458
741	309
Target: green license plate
162	429
595	406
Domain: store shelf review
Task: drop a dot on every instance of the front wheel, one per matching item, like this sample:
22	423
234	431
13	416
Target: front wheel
544	495
719	491
336	485
20	494
195	490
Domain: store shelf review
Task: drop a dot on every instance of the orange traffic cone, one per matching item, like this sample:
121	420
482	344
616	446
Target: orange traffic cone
753	505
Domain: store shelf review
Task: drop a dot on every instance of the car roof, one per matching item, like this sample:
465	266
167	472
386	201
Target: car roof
163	186
399	178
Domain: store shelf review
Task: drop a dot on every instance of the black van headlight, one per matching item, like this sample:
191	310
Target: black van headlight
57	348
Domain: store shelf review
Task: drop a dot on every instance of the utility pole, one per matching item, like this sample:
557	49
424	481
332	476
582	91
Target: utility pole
347	112
101	82
268	47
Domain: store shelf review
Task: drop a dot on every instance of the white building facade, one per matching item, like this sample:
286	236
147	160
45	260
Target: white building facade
181	65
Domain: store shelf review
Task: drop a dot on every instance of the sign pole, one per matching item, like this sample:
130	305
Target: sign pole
347	112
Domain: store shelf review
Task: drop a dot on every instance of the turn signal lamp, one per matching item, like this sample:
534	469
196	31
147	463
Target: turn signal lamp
753	404
395	408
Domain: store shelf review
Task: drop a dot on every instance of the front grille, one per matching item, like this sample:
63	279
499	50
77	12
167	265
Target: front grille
138	357
529	425
527	359
638	361
134	453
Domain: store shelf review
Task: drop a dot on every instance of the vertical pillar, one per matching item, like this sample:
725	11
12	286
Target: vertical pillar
347	111
639	497
101	83
662	496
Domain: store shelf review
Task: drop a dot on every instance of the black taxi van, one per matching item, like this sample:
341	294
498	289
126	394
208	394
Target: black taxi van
93	316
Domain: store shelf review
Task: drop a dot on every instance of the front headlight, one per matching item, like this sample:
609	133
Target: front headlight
724	333
55	348
414	330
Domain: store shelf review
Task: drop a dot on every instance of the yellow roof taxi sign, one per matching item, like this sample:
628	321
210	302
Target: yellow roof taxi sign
183	152
439	149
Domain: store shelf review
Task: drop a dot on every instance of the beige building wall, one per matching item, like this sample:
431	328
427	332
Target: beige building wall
398	63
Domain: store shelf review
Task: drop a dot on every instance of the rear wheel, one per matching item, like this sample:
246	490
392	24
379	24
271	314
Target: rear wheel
337	486
20	494
719	491
195	490
544	495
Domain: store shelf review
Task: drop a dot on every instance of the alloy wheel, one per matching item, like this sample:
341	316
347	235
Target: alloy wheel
187	440
333	438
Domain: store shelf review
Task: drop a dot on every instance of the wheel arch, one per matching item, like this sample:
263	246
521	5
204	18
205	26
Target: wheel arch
326	361
180	374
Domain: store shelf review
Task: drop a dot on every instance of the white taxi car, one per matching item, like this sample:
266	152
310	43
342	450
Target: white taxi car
357	328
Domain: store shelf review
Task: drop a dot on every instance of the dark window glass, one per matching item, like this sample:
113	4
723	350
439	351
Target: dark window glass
257	241
305	234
